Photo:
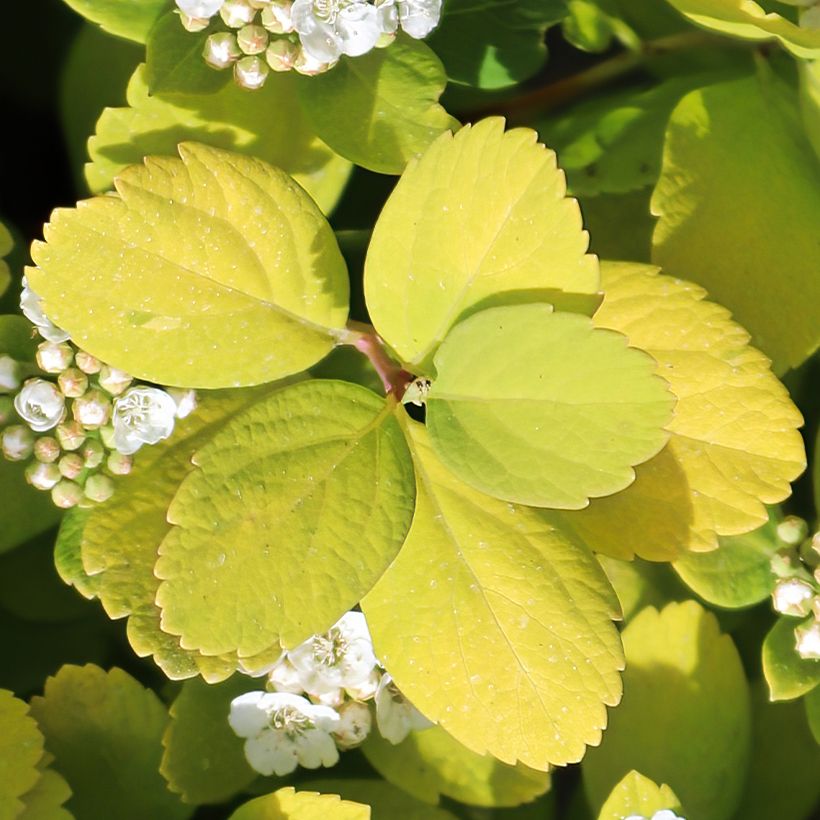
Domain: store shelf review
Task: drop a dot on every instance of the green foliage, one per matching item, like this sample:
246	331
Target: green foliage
132	20
788	675
385	801
21	748
812	701
288	804
636	794
6	244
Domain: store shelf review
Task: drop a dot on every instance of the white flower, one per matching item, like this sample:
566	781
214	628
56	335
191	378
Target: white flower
663	814
417	17
31	305
808	641
792	596
142	415
40	404
284	677
342	658
354	724
9	374
330	28
185	400
200	8
395	715
284	730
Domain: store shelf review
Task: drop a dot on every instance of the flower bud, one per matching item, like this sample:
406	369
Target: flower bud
47	449
71	465
792	596
66	494
194	24
40	404
6	410
92	410
309	66
281	55
354	726
72	382
185	400
53	357
9	375
99	488
250	73
42	476
276	17
252	39
807	641
221	50
93	453
237	13
792	530
17	442
71	435
119	464
199	8
113	380
87	363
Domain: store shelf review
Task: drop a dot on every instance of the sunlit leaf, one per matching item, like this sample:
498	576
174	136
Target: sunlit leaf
45	800
386	801
639	584
288	804
21	748
132	19
638	795
788	675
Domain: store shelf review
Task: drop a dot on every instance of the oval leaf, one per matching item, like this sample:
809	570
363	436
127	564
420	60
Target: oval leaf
541	408
210	271
638	795
319	499
509	643
788	675
481	215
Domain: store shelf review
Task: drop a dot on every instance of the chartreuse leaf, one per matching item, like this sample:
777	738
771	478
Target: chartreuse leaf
45	800
195	263
288	804
21	748
310	522
482	215
788	675
782	780
542	408
812	702
109	552
269	125
734	445
638	795
494	43
684	719
809	73
591	25
104	730
432	764
738	573
639	584
750	21
6	244
741	142
132	19
203	759
381	109
385	800
508	644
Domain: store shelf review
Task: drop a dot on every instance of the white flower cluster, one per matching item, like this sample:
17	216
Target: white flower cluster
796	592
307	36
320	703
663	814
94	416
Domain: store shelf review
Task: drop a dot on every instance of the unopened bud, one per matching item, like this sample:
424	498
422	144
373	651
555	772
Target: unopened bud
282	54
93	453
221	50
42	476
792	530
792	596
6	410
17	442
386	39
67	494
250	73
73	383
186	401
99	488
309	66
87	363
237	13
354	726
807	641
276	17
252	39
114	380
54	358
71	465
47	449
193	24
9	375
71	435
92	410
118	464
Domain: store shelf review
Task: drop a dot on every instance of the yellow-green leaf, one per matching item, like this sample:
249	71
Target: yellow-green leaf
21	748
684	719
386	801
743	142
542	408
131	19
482	214
45	800
508	643
213	270
638	795
431	764
788	675
294	510
750	21
6	244
639	584
288	804
812	702
734	446
268	124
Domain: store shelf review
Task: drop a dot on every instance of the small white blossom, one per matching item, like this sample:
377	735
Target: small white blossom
417	17
396	717
792	596
284	677
807	641
282	731
199	8
9	374
92	410
342	658
355	722
40	404
142	415
330	28
31	305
